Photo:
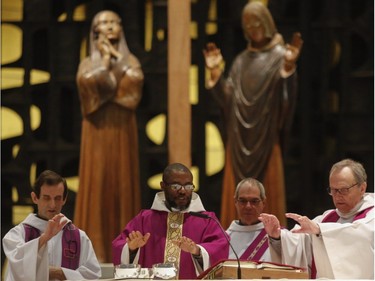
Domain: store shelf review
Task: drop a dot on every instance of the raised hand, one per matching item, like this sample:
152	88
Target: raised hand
307	225
213	59
137	240
54	226
293	51
212	56
187	245
271	225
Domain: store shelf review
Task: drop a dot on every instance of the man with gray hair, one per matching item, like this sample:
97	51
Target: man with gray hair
339	244
248	237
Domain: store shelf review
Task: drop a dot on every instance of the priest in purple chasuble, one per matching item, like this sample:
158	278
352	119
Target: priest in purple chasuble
339	244
248	236
168	233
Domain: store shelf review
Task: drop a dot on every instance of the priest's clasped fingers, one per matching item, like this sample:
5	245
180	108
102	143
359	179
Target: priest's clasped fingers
187	245
306	225
271	225
137	240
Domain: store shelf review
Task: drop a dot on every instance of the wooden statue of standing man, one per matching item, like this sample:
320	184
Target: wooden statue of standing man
110	82
257	99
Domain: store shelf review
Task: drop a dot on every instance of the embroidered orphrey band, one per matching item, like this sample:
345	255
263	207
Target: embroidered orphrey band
174	232
257	248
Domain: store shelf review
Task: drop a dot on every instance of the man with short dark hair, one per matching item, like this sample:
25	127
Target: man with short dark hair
46	245
339	244
167	233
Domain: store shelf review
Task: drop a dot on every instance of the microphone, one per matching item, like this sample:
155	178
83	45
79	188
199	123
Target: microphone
204	216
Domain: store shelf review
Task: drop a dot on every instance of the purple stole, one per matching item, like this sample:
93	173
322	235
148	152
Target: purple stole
334	217
257	248
71	244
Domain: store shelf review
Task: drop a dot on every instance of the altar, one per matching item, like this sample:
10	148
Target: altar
226	269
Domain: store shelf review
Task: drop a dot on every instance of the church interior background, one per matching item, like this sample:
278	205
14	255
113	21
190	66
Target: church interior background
43	42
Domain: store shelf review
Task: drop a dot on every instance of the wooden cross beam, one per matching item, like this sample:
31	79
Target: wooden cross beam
179	59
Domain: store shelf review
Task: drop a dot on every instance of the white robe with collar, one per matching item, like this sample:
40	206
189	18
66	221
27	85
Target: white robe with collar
26	262
241	237
344	250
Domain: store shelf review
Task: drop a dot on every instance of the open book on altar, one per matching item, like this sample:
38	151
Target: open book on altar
228	269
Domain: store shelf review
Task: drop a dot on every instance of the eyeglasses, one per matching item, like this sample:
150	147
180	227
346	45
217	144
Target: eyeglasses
177	186
243	202
343	191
